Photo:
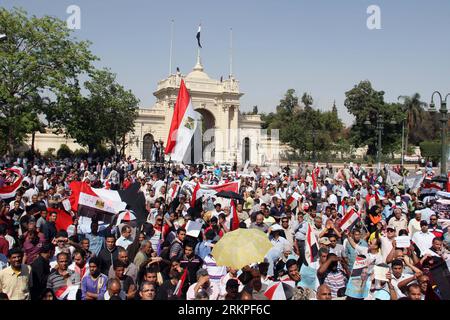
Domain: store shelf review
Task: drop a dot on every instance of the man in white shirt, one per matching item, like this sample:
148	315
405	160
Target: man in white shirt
125	239
423	239
203	284
399	279
414	224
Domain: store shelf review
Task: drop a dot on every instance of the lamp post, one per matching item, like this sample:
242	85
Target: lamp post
444	123
379	129
404	118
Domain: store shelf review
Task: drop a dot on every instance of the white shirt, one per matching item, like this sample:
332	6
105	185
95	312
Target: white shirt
122	242
223	285
423	240
395	283
332	199
213	291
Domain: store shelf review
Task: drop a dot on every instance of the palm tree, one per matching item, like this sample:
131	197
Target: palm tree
414	109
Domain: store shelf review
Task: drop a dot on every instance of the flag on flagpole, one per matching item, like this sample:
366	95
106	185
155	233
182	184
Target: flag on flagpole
295	196
179	288
311	246
198	35
349	219
183	125
314	176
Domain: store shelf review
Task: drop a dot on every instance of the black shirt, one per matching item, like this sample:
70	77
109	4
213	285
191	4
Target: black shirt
166	291
40	269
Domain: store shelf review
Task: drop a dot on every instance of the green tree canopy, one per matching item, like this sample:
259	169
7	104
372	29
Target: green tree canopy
38	60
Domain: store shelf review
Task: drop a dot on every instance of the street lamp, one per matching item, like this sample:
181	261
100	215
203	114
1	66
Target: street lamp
444	123
379	129
404	118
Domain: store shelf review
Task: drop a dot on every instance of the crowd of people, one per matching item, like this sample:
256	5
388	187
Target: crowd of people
368	258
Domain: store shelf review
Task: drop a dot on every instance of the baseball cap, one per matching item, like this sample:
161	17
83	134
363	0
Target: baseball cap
324	240
390	228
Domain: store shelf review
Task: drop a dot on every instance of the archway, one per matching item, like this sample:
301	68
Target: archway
246	150
147	147
206	135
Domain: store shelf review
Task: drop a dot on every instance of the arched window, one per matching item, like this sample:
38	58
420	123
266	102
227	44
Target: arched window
147	147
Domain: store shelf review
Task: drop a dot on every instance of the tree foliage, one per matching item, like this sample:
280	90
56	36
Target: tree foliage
105	115
306	130
39	60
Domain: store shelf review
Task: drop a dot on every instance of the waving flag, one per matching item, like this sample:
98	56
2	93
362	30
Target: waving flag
211	190
198	35
194	194
349	219
9	191
179	288
63	218
295	196
183	125
314	177
235	219
311	246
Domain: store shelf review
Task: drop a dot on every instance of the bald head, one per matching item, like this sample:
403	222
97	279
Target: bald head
323	292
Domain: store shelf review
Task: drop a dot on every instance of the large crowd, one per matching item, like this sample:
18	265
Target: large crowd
396	248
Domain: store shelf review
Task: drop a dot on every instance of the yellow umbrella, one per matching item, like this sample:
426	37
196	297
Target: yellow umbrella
241	247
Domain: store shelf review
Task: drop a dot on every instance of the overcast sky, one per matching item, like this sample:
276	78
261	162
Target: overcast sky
323	47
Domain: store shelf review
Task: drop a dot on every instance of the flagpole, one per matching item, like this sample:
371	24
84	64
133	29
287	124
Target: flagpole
167	181
171	47
231	52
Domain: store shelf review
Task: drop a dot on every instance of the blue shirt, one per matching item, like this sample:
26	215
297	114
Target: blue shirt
97	286
96	243
203	249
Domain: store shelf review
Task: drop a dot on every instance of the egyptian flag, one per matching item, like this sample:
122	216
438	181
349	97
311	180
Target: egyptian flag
105	204
175	188
183	125
311	246
9	191
349	219
314	177
198	35
235	219
179	288
63	218
211	190
194	194
295	196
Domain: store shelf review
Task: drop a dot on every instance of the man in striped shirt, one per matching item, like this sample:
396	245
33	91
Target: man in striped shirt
335	277
61	276
215	272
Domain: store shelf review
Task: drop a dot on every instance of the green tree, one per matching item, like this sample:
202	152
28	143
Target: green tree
365	103
39	59
64	152
105	115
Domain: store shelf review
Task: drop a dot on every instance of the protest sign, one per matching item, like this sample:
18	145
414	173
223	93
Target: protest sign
403	242
308	277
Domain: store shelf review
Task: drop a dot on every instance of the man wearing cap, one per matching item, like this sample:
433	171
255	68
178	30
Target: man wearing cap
203	284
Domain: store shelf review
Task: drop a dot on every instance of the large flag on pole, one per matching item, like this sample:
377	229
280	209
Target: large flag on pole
183	126
198	35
